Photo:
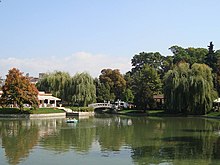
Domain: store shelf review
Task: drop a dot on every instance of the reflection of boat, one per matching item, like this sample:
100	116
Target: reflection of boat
72	120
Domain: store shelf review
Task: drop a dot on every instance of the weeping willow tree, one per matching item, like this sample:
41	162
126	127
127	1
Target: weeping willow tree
189	90
57	83
83	88
176	88
201	89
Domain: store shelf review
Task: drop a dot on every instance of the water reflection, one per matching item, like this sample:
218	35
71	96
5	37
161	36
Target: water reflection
139	140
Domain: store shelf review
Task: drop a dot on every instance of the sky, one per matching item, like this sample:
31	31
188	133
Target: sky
90	35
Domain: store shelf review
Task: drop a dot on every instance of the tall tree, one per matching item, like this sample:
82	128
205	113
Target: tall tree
176	88
103	92
18	90
189	90
155	60
128	93
57	83
115	80
217	75
211	58
84	90
201	86
190	55
146	83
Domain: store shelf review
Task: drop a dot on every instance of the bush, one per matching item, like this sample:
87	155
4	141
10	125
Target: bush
13	111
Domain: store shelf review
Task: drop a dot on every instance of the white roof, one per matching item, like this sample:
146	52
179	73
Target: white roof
47	98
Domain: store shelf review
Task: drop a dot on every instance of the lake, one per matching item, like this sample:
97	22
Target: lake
110	140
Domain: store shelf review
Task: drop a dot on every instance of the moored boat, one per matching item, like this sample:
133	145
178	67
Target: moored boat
71	120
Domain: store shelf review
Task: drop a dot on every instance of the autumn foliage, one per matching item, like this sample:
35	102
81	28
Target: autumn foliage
18	90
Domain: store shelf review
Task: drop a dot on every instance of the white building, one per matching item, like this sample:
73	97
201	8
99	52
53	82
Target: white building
47	100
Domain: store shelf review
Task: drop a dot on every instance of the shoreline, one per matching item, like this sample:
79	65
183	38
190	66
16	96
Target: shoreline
34	116
48	115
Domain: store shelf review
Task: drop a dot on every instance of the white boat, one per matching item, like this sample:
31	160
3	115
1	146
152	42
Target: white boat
71	120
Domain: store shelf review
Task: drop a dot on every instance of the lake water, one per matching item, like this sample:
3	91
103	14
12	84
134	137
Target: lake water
110	140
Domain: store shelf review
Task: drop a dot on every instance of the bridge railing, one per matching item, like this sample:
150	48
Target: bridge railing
104	105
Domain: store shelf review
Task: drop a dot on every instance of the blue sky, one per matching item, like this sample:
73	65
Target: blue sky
89	35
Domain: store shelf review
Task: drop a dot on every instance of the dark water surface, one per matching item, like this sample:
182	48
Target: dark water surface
110	140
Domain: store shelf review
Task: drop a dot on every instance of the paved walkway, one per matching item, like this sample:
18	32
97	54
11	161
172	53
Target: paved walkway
68	110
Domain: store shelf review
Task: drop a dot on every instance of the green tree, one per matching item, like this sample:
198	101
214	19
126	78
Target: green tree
18	90
128	95
115	80
103	92
58	83
201	86
211	58
155	60
84	90
217	75
176	88
146	83
190	55
189	90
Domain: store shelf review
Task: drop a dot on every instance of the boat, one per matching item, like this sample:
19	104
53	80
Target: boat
71	120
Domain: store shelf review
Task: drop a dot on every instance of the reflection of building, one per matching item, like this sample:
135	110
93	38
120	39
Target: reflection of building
47	100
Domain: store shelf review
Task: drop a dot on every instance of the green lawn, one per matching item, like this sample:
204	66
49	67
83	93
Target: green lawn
161	113
150	113
29	111
46	110
153	113
213	114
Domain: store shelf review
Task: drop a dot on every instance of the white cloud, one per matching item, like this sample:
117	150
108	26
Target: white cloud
78	62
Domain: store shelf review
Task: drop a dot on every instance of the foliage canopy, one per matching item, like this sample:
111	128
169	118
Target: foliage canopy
189	90
18	90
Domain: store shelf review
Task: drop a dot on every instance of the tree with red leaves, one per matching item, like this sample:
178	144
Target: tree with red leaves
18	90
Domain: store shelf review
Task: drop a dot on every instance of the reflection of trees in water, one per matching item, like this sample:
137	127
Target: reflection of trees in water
151	140
20	136
183	141
71	136
17	139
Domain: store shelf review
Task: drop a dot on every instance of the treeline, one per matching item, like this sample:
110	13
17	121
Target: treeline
189	80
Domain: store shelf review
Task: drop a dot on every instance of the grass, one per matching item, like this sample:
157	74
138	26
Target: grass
213	114
161	113
157	113
29	111
152	113
46	111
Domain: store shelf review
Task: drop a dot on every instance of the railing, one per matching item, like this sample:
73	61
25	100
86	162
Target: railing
101	105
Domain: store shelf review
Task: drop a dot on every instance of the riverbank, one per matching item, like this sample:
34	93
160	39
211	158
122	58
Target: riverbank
41	113
34	116
162	113
28	113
